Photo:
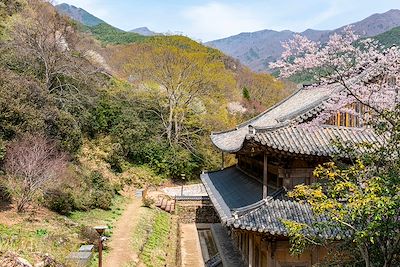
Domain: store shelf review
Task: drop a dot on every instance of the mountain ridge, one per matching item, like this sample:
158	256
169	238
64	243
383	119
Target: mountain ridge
257	49
144	31
88	19
79	14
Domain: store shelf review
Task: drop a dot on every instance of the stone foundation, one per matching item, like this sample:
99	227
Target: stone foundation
192	210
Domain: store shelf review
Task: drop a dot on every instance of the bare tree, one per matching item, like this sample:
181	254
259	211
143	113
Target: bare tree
48	45
32	162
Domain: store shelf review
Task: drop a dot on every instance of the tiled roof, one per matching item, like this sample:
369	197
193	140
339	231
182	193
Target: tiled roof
317	140
229	189
303	104
238	201
268	218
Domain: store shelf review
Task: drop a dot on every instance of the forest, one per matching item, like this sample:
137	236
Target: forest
106	108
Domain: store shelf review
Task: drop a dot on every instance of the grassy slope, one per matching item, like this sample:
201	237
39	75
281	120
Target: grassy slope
47	232
155	238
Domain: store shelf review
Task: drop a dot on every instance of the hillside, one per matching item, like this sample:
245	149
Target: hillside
389	38
257	85
108	34
102	30
258	49
79	14
123	108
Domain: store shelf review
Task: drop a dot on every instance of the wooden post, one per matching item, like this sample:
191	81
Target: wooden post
250	250
100	251
265	177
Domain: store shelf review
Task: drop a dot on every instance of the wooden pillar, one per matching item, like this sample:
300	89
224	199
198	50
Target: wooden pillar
250	250
265	177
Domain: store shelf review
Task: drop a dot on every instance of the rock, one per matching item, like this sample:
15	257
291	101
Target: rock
48	261
11	259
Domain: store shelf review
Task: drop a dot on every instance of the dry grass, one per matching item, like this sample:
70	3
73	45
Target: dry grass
41	231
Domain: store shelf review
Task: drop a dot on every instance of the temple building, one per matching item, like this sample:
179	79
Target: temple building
274	153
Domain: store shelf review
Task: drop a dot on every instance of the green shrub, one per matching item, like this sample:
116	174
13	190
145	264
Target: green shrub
101	200
171	162
60	201
147	202
246	93
41	232
89	235
4	194
116	161
102	191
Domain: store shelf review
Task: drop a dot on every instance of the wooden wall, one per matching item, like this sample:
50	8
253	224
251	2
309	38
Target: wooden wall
258	251
288	174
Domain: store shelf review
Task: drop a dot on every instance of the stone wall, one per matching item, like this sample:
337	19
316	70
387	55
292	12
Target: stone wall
196	211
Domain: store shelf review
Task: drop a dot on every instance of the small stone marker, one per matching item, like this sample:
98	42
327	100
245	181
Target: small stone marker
139	193
80	258
86	248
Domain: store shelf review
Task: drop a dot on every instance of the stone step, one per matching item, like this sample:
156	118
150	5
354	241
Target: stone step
168	207
158	203
163	204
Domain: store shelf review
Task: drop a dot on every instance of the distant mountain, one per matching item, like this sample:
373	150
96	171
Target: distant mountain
79	14
258	49
100	30
144	31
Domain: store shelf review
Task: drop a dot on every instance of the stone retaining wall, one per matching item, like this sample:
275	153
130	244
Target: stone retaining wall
196	211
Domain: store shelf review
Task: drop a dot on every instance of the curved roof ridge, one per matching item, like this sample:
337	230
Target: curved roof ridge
272	127
304	102
305	110
254	206
245	123
242	210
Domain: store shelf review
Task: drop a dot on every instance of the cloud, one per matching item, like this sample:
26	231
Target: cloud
216	20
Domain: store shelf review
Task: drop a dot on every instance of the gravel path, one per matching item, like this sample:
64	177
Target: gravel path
188	190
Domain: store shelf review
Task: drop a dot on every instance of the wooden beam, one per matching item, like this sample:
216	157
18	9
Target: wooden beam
265	176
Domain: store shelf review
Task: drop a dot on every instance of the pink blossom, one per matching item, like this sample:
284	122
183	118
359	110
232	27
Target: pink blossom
366	72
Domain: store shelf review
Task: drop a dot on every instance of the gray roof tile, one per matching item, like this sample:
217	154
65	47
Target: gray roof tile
303	104
238	201
269	218
317	140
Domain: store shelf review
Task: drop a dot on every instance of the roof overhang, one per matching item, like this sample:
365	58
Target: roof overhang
238	201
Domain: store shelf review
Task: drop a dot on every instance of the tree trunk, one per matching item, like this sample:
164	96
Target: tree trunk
170	123
365	254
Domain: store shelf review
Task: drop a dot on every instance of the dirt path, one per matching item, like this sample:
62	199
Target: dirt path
122	253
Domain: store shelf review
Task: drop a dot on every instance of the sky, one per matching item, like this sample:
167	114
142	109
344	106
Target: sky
215	19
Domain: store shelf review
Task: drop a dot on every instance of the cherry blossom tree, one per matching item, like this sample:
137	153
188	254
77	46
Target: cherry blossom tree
367	72
361	196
